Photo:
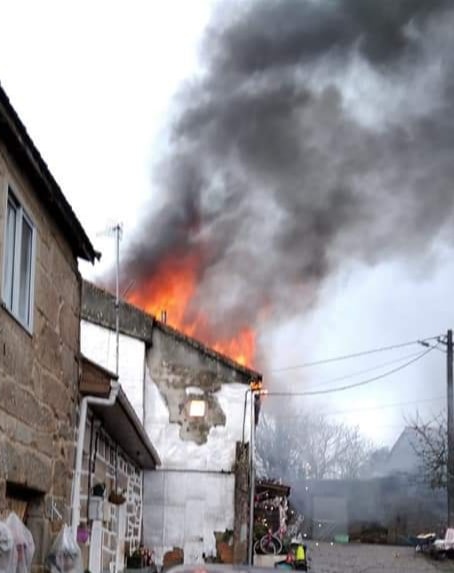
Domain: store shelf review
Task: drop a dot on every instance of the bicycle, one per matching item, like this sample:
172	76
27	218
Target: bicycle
269	544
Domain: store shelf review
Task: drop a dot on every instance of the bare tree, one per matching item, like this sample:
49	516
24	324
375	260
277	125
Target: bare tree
311	447
431	446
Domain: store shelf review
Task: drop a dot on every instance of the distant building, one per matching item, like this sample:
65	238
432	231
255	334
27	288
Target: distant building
191	401
391	504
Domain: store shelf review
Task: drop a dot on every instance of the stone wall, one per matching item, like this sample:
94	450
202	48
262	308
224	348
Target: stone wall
38	374
106	463
241	522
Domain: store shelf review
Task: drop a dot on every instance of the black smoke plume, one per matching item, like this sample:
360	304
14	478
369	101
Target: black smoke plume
317	132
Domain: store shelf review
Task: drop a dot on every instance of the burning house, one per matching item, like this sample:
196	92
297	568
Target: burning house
191	401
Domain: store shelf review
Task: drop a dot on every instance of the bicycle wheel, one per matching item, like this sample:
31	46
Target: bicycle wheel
270	545
257	547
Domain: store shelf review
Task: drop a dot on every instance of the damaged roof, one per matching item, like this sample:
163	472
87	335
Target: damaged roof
206	349
98	307
21	147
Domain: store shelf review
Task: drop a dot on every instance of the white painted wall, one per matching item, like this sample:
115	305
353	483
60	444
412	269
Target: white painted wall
190	498
98	345
183	509
218	453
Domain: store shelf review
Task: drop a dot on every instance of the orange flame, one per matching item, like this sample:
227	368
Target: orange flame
171	288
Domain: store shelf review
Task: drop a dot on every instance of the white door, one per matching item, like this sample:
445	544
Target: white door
121	531
94	560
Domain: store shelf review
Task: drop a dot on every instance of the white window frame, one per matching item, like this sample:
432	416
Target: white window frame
21	215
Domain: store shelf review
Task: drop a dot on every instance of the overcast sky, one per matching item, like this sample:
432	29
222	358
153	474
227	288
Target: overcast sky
93	82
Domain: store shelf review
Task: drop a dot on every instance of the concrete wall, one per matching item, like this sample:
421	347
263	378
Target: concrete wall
217	453
177	372
194	495
184	509
38	371
99	345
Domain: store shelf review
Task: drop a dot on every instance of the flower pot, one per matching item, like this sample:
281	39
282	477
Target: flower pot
116	498
82	534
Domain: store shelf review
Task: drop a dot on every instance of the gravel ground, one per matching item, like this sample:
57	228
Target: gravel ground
358	558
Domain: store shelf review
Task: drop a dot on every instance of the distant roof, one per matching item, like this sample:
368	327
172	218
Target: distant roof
98	307
27	156
403	457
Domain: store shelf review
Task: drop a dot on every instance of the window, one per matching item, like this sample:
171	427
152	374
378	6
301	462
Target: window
18	262
197	408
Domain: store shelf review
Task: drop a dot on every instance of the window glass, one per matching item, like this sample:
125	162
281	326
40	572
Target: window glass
17	292
11	223
25	271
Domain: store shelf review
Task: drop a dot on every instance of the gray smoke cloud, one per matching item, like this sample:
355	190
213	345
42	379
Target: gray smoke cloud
318	132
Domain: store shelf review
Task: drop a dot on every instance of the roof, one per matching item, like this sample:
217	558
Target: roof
98	307
276	489
21	147
403	457
120	421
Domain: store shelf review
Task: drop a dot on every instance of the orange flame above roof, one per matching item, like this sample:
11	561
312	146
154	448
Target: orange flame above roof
171	289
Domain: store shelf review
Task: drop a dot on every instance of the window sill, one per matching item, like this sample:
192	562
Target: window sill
24	327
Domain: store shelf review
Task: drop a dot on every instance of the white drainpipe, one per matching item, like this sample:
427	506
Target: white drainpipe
86	401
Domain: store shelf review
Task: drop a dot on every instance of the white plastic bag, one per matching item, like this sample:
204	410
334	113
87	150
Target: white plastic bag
8	561
23	543
65	556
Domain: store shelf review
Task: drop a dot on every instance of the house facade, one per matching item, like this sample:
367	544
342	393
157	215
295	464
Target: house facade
116	452
191	400
40	294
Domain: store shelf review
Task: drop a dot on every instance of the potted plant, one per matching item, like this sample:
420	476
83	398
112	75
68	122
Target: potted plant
117	497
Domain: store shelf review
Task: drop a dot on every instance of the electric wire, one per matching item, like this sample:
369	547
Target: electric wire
369	408
355	354
366	370
356	384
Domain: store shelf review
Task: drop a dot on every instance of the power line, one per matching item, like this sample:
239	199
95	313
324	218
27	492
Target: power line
354	355
357	384
370	408
386	406
366	370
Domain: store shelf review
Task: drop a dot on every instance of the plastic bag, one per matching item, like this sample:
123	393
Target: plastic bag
65	556
8	560
23	542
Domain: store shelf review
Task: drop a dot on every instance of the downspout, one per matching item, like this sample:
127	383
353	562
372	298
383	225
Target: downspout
86	401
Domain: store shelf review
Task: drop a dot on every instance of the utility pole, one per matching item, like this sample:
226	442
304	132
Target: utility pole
450	393
117	229
250	557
